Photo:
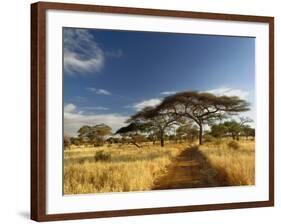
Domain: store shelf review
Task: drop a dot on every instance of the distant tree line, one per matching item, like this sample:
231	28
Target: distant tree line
179	117
232	129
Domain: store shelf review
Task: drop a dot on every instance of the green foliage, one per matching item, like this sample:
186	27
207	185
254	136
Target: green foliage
203	108
233	128
233	145
187	132
102	156
66	142
75	141
248	131
218	130
98	142
208	138
113	140
94	134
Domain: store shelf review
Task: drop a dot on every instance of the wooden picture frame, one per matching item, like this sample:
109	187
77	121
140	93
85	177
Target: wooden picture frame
39	111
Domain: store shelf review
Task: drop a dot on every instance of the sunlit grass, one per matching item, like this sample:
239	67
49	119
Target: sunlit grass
234	166
127	169
122	168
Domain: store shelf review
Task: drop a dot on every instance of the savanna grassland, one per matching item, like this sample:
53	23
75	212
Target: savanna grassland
124	167
115	168
233	161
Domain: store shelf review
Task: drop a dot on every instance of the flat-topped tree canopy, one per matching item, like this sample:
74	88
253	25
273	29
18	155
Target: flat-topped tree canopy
202	107
158	118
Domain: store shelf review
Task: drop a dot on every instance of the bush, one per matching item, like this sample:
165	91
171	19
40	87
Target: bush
98	142
217	142
102	156
233	145
208	139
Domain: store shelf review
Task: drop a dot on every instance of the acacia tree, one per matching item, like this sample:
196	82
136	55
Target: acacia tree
233	128
248	131
202	108
160	119
94	133
187	132
132	130
218	130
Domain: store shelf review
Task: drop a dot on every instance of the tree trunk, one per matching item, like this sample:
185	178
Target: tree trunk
134	143
162	142
162	138
200	134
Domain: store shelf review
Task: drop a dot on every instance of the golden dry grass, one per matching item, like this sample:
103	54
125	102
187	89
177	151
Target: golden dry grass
234	166
127	169
122	168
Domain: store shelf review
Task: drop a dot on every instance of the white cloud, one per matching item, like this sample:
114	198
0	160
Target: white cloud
95	108
168	92
146	103
99	91
229	92
74	119
81	52
69	108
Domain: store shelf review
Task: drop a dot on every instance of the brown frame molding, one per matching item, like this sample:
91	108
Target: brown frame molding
38	110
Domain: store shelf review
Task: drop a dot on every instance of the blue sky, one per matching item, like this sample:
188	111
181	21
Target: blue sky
109	74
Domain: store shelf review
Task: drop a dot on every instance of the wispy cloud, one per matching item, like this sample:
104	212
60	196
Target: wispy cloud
229	92
168	92
95	108
99	91
146	103
77	99
81	52
74	119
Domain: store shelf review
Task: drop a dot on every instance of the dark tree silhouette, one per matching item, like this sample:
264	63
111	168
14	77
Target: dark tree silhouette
187	132
218	130
202	108
248	131
132	130
158	118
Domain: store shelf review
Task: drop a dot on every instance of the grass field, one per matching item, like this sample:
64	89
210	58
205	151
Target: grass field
115	169
235	165
119	168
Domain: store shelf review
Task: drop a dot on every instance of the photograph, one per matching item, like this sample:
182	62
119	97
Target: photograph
147	110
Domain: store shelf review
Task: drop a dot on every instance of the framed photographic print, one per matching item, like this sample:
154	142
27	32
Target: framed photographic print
144	111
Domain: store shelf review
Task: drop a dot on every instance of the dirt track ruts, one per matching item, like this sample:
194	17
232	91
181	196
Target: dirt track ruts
189	170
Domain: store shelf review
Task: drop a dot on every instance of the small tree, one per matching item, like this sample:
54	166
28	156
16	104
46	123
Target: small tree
95	134
218	130
75	141
66	142
248	132
187	132
158	118
132	131
233	129
99	132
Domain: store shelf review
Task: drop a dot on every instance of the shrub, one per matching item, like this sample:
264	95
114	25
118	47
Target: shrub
102	156
208	138
98	142
218	142
233	145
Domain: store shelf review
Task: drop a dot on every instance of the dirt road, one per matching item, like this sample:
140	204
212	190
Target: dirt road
190	169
